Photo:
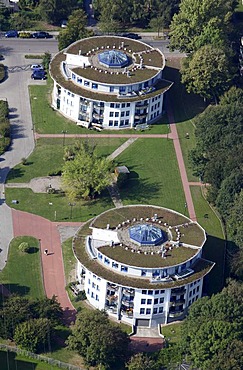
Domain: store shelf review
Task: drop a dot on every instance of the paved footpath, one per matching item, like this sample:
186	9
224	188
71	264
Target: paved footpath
181	164
52	264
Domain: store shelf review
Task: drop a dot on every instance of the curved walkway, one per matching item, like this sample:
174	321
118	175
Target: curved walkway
52	263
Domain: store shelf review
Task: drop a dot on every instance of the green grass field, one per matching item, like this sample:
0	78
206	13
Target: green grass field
47	158
22	274
154	175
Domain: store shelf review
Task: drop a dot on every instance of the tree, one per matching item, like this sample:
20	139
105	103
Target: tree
199	23
33	335
98	340
212	325
87	174
233	96
141	361
46	60
48	308
14	311
208	72
24	247
158	23
76	29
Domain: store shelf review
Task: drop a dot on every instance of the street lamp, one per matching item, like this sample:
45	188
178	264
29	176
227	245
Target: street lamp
64	133
168	126
71	209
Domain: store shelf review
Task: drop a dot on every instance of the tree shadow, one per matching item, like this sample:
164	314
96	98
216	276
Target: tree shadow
33	250
15	173
185	105
8	361
214	250
139	190
17	289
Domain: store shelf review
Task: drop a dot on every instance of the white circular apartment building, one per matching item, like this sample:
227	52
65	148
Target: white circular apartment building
109	82
143	264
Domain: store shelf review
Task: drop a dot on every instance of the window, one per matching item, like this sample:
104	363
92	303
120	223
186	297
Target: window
142	310
88	291
69	93
97	298
112	88
115	265
198	288
156	292
111	114
128	104
112	105
123	105
152	108
124	268
79	80
98	288
126	122
115	123
110	123
155	310
86	83
143	301
93	285
194	291
117	105
116	114
144	291
107	261
156	301
89	281
148	311
161	309
94	86
127	113
150	292
122	123
190	294
122	114
92	295
161	300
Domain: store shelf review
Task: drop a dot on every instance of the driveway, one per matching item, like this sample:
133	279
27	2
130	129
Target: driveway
15	90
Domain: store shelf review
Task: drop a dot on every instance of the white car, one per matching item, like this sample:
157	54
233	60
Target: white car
37	67
64	23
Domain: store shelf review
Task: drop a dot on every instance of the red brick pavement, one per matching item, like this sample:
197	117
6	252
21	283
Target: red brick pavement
139	344
52	264
181	164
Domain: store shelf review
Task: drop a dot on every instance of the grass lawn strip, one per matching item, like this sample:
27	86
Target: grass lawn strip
11	361
185	108
22	274
154	175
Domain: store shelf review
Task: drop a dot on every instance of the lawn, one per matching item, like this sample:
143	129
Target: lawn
22	274
185	107
172	332
214	249
47	121
154	175
47	158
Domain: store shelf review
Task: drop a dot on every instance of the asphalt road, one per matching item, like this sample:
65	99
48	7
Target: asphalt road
8	46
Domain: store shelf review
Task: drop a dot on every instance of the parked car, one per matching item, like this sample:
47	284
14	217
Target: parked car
12	33
37	67
131	35
64	23
38	75
41	35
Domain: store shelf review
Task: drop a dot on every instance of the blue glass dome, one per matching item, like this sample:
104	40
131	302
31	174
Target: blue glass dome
145	234
113	59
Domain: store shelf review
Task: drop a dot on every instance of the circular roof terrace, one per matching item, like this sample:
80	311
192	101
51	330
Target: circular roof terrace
113	59
146	234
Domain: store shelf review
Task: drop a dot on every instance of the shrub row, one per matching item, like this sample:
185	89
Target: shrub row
2	72
4	126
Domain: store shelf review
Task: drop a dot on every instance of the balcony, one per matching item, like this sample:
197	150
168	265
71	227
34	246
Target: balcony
98	115
178	291
142	105
174	314
177	302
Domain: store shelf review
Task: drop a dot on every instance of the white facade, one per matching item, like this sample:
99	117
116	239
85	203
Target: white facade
92	94
168	291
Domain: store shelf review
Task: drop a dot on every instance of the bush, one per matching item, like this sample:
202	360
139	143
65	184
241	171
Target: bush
5	128
2	72
81	296
3	108
24	247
